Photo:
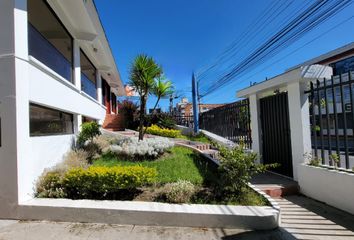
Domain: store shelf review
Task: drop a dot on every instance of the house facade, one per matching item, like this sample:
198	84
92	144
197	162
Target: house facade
56	72
304	116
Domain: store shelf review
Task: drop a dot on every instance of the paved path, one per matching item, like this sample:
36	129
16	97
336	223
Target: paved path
302	218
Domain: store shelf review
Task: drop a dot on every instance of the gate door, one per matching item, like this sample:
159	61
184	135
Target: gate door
276	133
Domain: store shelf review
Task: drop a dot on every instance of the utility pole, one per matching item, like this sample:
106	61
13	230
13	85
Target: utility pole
198	97
195	104
171	104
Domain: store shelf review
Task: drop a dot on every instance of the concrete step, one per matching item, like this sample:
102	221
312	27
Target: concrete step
274	185
114	122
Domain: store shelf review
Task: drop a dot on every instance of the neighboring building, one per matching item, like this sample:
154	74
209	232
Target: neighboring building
342	62
185	108
56	71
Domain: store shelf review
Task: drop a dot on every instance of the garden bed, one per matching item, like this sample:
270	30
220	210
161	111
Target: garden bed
117	179
181	163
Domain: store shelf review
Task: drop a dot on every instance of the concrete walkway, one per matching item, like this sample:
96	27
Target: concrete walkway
302	218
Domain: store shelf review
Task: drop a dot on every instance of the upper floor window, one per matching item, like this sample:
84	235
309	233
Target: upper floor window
46	121
343	66
48	40
88	76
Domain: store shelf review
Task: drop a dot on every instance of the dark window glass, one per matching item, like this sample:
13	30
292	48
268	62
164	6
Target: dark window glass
45	121
48	40
88	76
343	66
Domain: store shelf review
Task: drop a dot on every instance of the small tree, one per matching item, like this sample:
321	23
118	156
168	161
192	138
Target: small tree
162	88
143	74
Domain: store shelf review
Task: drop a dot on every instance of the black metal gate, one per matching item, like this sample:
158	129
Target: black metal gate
231	121
276	133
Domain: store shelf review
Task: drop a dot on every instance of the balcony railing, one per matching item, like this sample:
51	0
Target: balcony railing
41	49
88	86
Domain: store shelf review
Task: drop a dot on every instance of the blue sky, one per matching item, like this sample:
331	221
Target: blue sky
184	35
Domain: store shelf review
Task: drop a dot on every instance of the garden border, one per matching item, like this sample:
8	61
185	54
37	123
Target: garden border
150	213
154	213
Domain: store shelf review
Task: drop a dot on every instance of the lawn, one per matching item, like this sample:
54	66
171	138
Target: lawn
181	163
178	164
200	137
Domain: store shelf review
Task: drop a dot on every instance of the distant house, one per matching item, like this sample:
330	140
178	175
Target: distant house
185	109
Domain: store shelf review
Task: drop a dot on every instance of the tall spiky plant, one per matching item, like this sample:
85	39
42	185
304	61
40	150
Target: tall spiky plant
143	72
162	88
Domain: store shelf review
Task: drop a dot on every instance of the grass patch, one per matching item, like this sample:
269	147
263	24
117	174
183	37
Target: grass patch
178	164
200	137
182	163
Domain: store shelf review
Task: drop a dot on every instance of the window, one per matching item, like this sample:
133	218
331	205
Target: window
88	76
48	40
45	121
343	66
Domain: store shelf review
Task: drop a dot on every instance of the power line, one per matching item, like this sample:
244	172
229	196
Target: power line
314	15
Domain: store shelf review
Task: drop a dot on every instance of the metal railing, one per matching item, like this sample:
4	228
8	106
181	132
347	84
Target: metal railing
41	49
88	86
231	121
332	120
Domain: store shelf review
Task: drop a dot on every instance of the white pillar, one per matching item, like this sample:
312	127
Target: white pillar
299	124
111	100
255	124
99	86
77	66
14	104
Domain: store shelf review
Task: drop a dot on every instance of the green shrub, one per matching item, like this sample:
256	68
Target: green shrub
237	168
106	182
50	185
130	111
179	192
89	130
163	120
164	132
315	161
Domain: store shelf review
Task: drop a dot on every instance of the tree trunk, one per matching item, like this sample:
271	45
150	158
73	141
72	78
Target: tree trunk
142	117
157	102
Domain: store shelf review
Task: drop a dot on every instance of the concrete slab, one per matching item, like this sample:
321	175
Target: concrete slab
76	231
151	213
305	218
5	223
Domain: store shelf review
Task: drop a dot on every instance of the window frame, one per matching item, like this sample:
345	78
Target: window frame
71	80
81	72
50	134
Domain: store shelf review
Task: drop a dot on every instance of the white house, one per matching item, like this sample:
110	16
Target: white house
56	71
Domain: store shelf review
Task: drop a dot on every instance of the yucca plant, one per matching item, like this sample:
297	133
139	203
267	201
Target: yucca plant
146	77
143	74
162	88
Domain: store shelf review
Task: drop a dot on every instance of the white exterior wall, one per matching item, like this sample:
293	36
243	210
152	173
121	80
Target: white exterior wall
13	53
330	186
24	80
299	124
255	125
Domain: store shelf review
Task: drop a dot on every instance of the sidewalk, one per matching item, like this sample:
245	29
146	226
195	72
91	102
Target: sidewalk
302	218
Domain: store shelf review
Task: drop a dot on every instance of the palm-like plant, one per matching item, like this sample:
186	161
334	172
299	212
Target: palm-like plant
143	73
162	88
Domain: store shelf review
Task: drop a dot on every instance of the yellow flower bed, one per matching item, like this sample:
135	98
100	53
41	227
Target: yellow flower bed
164	132
97	182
